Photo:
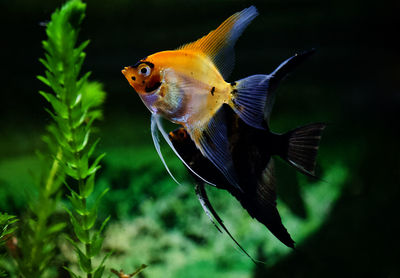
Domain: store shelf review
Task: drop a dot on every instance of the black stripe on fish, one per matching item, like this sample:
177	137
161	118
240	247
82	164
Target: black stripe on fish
153	88
151	65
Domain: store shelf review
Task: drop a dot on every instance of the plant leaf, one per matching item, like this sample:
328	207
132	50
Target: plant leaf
73	275
84	262
90	219
87	189
97	243
80	233
99	272
56	228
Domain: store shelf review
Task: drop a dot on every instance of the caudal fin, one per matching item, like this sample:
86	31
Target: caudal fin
302	147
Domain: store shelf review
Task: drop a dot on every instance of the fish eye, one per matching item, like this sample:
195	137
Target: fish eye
144	70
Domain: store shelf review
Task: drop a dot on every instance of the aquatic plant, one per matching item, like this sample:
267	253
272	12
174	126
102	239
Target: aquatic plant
75	106
6	227
38	230
6	230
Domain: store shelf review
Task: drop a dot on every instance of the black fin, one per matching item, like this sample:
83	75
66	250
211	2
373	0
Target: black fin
302	147
286	67
206	205
208	208
280	73
261	205
254	96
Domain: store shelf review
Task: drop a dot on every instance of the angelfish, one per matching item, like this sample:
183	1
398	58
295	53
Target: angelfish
188	86
225	138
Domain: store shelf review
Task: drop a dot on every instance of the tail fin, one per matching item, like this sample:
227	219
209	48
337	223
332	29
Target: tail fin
302	147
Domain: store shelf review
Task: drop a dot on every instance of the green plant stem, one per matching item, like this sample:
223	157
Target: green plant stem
87	245
81	184
37	244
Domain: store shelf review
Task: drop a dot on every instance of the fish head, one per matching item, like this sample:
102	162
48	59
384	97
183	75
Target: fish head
144	77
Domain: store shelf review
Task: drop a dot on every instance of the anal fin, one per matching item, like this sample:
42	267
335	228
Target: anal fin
209	210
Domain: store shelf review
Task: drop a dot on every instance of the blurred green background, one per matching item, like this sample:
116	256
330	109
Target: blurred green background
344	225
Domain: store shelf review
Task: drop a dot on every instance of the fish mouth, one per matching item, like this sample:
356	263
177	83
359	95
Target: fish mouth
129	75
125	70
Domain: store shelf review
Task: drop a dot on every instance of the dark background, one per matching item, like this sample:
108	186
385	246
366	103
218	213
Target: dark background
351	83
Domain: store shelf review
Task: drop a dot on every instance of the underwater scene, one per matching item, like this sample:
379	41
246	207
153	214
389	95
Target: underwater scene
293	170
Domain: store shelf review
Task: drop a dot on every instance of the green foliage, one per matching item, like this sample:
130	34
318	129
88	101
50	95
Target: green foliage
6	229
63	62
135	174
38	233
75	106
37	240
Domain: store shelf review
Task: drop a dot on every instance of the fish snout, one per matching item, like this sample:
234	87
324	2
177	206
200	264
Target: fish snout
126	70
130	75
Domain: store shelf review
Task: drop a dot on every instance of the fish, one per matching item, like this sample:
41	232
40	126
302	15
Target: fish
224	139
252	152
188	87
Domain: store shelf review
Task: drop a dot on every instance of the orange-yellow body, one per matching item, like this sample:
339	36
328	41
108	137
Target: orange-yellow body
190	91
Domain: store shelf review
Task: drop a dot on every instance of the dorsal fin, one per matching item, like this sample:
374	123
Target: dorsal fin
218	44
280	73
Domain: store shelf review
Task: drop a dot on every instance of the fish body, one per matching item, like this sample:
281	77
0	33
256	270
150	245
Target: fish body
187	86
